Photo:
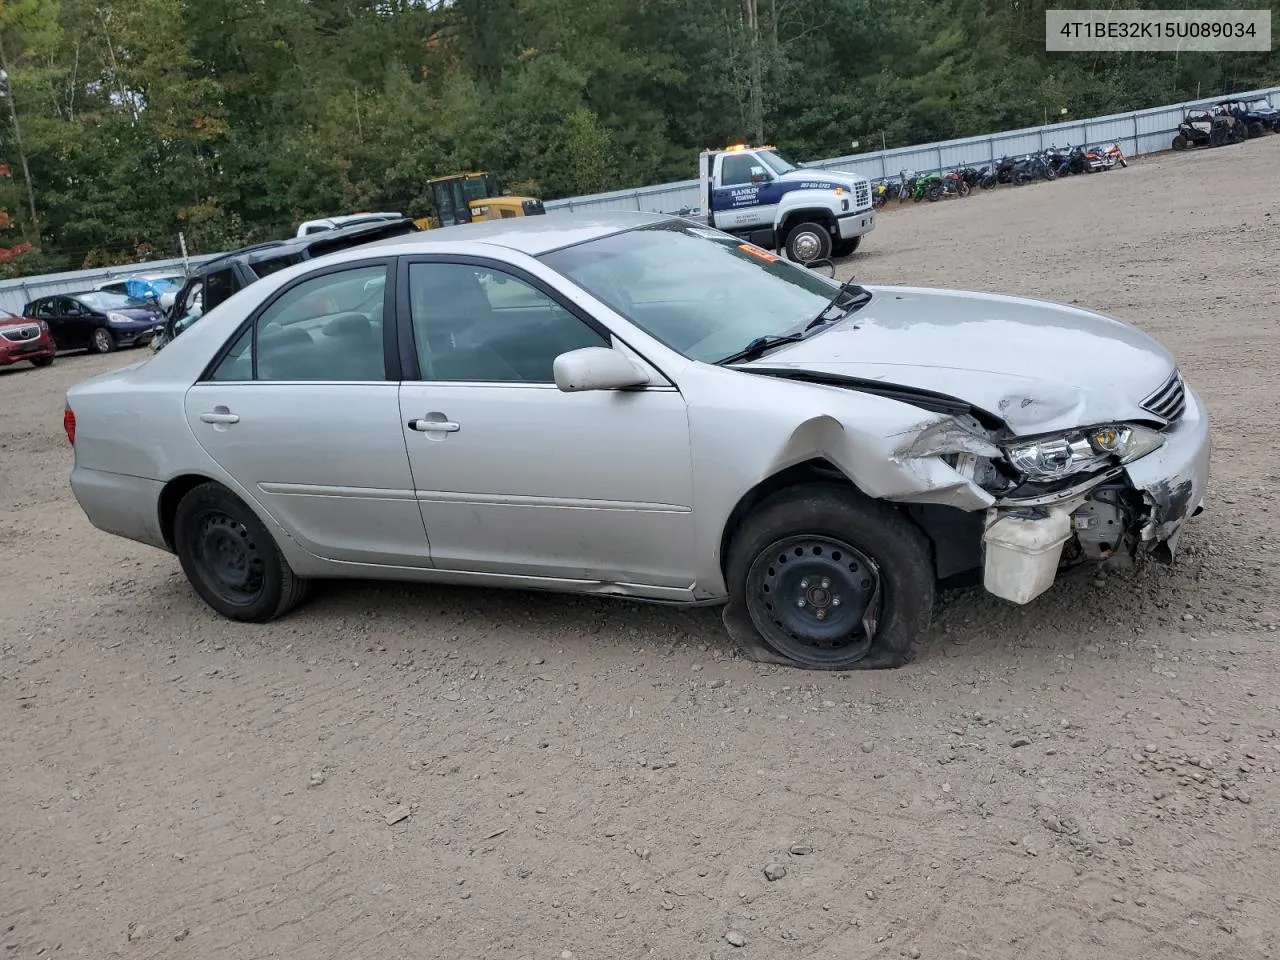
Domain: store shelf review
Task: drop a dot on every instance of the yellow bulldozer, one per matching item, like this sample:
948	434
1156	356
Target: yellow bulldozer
471	198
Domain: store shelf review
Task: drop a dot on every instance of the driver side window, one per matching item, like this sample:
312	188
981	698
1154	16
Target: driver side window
737	170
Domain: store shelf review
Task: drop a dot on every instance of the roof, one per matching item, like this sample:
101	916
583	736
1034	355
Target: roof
534	235
338	238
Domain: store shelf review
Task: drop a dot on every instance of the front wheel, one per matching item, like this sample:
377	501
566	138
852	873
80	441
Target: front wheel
808	242
102	340
1179	142
844	248
41	361
230	558
830	580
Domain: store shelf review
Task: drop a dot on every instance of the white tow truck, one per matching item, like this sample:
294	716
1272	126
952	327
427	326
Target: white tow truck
759	195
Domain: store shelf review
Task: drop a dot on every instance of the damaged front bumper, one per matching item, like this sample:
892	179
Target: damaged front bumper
1140	507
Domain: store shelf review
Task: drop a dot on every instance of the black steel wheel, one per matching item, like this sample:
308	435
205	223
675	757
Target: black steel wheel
230	558
824	578
815	598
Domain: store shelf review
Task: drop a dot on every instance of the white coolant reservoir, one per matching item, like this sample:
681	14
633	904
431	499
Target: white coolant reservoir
1022	553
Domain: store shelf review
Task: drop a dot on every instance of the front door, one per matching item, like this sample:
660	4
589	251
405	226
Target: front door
301	412
512	475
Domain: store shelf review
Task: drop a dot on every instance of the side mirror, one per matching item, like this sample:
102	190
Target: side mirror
596	368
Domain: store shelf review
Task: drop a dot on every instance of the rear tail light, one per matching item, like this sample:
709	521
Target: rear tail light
69	424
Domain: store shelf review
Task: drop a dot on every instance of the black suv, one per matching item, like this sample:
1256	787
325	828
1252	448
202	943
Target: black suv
218	279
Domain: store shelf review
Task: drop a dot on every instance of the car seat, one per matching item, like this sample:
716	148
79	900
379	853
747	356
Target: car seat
454	324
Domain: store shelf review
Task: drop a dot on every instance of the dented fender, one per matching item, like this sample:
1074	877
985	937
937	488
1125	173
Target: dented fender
890	450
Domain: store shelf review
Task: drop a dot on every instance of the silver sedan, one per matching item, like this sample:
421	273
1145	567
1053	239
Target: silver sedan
639	406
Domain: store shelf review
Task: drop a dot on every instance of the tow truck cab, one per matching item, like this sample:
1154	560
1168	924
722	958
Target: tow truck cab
757	194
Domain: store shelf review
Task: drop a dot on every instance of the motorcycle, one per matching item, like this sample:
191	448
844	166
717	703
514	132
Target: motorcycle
880	194
1097	161
1116	155
954	184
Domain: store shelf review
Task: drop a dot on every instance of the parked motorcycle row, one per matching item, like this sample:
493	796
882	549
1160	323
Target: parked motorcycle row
1047	164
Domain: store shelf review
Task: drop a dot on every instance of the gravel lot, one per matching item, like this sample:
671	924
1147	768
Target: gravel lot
399	772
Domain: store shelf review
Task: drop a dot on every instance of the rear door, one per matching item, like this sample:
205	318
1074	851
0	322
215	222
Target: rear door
46	310
300	411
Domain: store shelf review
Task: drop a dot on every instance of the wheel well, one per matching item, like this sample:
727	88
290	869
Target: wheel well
954	536
171	496
817	215
817	470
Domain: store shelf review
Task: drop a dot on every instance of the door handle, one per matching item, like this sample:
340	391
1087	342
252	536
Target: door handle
220	417
423	425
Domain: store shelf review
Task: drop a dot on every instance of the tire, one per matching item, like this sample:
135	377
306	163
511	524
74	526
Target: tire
1256	129
255	583
808	237
41	361
963	188
1179	142
933	193
841	537
102	340
843	248
1049	174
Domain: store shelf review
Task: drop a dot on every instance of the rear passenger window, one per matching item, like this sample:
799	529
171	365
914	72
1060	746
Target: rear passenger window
326	328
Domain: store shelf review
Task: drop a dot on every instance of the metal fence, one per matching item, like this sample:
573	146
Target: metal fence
1138	132
14	294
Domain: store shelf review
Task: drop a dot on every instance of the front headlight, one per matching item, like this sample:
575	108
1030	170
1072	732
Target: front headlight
1081	451
113	317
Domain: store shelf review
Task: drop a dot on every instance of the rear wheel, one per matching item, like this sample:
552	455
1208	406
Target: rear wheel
822	578
230	558
1256	129
808	241
102	340
41	361
934	192
1179	142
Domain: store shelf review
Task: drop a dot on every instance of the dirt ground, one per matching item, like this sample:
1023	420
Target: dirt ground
404	772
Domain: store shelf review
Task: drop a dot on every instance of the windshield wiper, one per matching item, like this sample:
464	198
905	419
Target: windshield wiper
759	345
861	295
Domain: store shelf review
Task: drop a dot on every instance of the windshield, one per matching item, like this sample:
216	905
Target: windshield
699	291
776	161
106	300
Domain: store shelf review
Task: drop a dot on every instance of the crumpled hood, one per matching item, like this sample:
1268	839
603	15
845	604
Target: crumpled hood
1038	366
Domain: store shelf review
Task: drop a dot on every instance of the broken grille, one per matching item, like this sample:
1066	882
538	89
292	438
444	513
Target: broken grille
1170	401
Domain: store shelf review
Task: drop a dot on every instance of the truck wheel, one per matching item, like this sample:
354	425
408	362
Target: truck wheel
1179	142
843	248
808	241
1255	129
823	578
